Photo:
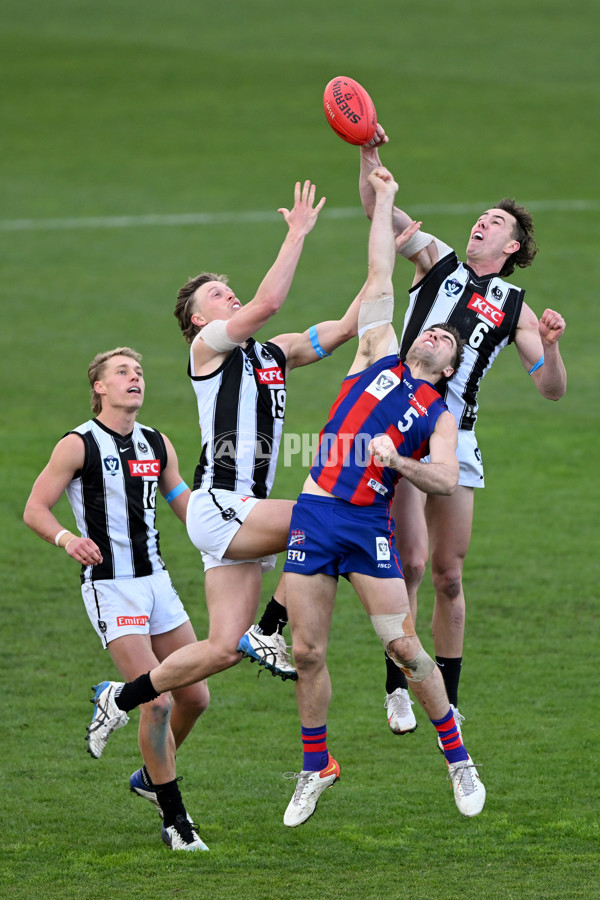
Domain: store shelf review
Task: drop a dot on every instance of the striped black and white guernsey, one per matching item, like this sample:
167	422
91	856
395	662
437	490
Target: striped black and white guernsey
241	408
113	498
485	310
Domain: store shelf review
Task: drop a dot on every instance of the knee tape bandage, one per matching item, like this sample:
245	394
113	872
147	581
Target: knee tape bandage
419	668
388	628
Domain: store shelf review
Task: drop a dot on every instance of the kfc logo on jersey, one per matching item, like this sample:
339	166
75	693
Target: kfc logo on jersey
141	467
384	383
272	377
486	310
452	287
111	464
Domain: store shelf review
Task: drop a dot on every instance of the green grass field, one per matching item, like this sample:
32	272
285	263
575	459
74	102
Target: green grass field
141	143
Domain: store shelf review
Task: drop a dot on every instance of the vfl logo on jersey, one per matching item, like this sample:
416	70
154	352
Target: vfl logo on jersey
452	287
141	467
111	464
296	537
272	377
248	366
486	310
376	486
385	382
383	548
131	620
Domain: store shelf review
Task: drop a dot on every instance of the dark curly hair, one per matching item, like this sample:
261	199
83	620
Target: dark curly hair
184	311
523	233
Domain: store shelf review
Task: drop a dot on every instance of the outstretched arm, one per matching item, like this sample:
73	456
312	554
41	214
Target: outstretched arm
425	257
536	340
299	348
274	287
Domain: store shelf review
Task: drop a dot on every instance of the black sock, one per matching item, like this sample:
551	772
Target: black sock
140	690
274	619
395	677
169	797
450	669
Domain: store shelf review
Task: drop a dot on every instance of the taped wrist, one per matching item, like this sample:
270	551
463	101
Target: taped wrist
417	242
215	335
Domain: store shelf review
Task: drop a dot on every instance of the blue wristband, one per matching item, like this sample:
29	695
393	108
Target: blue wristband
312	333
181	487
537	366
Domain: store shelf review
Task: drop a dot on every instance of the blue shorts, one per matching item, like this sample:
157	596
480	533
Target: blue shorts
334	537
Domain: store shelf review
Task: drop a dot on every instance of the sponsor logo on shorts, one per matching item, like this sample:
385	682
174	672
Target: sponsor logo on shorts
102	626
296	556
271	376
132	620
141	467
383	548
486	310
384	565
228	514
297	537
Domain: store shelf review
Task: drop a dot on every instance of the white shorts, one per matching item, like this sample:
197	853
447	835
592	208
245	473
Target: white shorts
146	605
213	519
469	459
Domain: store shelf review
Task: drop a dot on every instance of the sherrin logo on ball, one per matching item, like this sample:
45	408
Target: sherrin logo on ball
349	110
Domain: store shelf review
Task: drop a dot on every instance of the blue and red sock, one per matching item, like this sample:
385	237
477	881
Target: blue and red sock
454	750
314	743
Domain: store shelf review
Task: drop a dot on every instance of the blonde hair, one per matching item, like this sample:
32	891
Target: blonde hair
97	368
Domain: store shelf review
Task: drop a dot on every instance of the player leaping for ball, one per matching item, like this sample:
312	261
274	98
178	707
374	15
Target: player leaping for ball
240	385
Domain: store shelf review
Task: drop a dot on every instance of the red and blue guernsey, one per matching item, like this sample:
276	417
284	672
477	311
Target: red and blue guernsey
383	399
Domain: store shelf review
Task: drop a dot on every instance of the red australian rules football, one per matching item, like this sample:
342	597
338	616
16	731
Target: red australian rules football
349	110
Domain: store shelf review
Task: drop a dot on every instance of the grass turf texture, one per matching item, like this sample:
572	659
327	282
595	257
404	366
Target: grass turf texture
147	109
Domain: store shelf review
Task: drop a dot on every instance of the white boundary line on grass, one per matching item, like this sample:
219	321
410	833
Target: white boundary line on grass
241	218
